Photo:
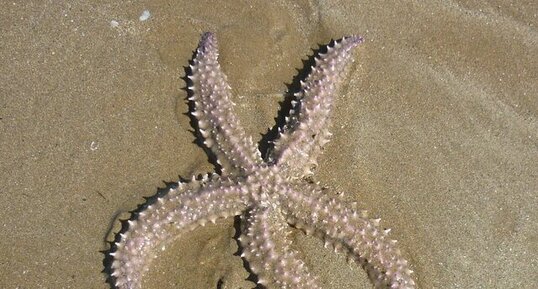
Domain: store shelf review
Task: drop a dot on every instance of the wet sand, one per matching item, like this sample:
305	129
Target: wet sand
435	131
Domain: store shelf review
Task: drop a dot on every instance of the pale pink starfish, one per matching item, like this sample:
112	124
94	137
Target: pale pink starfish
271	194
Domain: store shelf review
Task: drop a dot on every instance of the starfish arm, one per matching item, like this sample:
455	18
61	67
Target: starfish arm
307	128
267	249
308	208
217	122
184	208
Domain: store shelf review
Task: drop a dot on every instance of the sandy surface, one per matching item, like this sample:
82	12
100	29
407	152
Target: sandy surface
435	131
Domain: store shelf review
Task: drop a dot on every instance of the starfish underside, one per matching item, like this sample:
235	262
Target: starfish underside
270	194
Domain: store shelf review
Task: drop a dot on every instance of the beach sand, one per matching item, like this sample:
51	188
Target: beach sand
435	131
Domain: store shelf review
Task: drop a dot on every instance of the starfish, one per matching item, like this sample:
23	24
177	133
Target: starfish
272	194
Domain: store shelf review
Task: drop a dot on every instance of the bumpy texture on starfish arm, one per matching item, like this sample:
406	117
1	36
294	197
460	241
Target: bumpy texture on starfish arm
270	194
269	256
182	209
307	129
349	231
219	126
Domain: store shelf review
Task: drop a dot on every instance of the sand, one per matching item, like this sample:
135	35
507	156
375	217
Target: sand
435	131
